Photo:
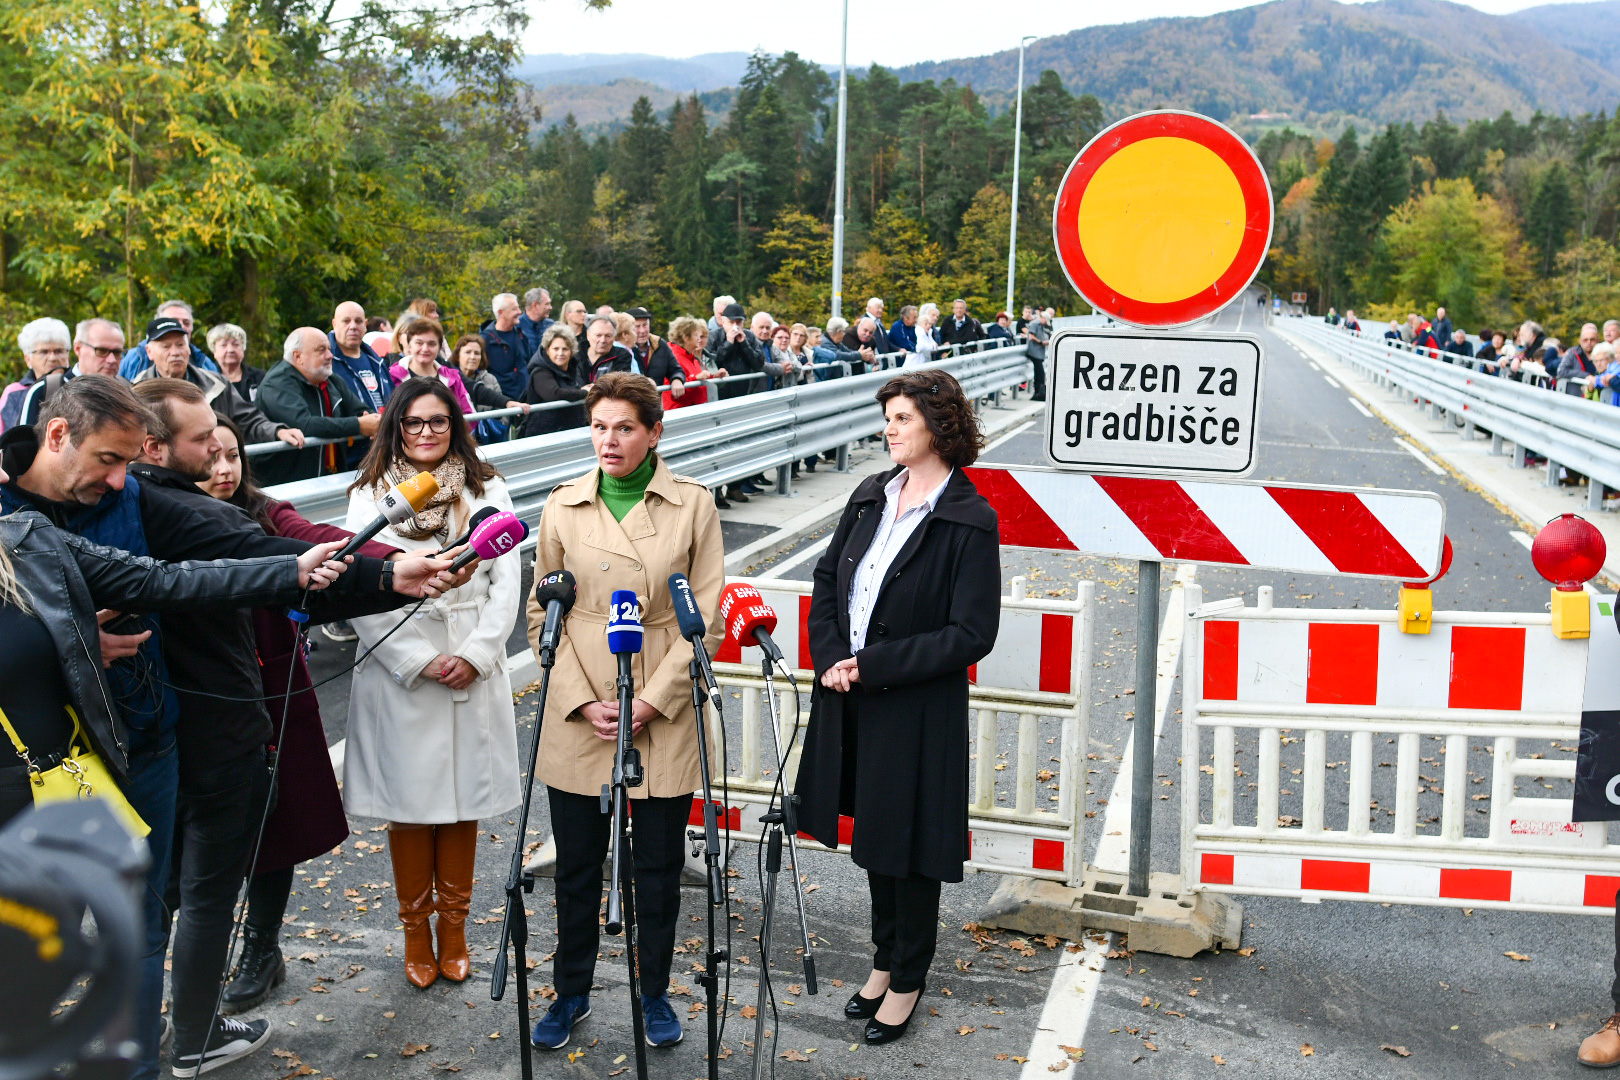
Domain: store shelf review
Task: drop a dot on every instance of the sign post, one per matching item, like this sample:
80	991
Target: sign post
1161	220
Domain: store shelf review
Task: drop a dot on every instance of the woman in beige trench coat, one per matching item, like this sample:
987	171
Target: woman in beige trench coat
628	524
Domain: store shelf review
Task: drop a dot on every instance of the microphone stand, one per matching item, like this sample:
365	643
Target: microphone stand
781	818
710	979
621	907
520	882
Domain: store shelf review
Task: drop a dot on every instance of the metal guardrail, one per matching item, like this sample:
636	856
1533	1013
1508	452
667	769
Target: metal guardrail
1567	430
716	443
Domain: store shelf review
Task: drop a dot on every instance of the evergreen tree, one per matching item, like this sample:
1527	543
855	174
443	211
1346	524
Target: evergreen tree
1550	217
639	155
685	195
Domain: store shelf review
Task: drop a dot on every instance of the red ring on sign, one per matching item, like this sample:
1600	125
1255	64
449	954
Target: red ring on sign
1252	181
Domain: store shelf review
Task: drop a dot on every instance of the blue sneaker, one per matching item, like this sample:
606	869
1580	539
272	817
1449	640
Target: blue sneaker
662	1027
551	1033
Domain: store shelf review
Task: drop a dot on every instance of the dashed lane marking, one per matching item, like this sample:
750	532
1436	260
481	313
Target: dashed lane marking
1331	381
1360	408
1428	462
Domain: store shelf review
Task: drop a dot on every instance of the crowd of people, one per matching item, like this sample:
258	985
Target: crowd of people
521	362
1588	368
215	745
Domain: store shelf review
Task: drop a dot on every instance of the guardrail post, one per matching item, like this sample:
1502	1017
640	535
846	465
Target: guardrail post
1468	430
843	458
1594	494
1496	445
784	480
1435	411
1518	456
1552	473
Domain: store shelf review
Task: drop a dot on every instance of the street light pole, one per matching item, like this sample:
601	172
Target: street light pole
838	196
1018	139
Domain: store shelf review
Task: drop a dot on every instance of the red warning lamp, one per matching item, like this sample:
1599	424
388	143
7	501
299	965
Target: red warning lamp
1569	552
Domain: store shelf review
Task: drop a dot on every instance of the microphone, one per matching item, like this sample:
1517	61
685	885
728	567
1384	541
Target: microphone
555	592
477	520
690	620
624	627
747	616
397	505
495	536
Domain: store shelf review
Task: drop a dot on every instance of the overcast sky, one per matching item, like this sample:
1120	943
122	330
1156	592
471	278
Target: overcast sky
890	32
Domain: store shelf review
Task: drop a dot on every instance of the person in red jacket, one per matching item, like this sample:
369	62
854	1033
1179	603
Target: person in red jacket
308	818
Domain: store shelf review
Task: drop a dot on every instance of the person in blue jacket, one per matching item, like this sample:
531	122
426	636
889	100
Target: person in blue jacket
136	361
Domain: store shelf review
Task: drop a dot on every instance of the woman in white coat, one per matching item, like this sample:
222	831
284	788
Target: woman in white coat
432	741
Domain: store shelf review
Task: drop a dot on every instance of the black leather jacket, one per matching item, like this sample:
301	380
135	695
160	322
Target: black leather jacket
67	579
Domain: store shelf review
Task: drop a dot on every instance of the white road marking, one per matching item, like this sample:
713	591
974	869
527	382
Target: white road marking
1522	537
1310	362
1019	430
1067	1011
1332	382
1360	408
798	557
1428	463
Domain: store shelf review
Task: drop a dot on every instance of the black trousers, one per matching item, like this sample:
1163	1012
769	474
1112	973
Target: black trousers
220	806
905	927
658	837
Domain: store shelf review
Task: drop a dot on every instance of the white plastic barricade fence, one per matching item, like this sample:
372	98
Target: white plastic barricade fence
1456	704
1040	669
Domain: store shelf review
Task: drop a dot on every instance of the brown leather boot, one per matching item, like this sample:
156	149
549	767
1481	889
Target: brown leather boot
1601	1050
412	852
455	846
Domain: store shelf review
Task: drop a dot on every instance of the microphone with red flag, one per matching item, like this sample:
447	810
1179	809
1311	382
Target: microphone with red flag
749	619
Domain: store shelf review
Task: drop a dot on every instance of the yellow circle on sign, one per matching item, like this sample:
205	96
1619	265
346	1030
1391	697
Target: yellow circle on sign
1161	220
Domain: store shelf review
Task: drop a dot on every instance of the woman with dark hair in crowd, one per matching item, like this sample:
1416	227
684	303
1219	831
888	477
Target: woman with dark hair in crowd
432	742
470	358
555	374
422	343
629	523
308	818
906	599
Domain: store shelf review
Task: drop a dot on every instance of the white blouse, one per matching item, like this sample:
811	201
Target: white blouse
892	533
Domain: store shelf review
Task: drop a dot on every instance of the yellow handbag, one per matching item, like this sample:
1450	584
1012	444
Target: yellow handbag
81	775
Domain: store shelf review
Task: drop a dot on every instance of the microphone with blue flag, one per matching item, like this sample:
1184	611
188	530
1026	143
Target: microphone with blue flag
624	626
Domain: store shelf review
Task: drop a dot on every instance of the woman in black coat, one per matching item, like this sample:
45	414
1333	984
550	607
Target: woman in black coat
906	599
554	375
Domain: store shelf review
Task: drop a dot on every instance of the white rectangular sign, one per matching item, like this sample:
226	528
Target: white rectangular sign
1153	403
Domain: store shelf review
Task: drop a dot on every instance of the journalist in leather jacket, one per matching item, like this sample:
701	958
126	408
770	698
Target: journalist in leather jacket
66	579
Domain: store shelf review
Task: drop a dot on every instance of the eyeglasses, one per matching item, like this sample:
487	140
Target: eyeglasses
413	425
105	353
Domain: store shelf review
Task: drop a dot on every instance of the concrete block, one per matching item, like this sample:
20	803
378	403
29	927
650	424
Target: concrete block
1170	921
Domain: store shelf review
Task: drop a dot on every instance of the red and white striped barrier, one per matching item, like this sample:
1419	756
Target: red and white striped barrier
1025	816
1304	529
1456	703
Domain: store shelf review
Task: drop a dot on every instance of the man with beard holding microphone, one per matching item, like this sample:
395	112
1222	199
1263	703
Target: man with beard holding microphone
628	524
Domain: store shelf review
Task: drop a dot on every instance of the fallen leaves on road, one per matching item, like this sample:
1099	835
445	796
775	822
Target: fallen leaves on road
749	1012
965	1030
1399	1051
1218	1059
791	1054
1519	956
412	1049
1307	1050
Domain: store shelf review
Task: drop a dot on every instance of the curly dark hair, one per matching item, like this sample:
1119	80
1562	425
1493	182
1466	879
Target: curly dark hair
944	408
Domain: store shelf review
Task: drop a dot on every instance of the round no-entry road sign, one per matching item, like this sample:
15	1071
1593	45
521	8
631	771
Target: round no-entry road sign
1163	219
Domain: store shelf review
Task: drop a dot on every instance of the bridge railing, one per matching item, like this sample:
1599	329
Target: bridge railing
716	443
1567	430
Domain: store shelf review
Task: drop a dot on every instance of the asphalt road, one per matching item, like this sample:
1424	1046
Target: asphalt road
1340	979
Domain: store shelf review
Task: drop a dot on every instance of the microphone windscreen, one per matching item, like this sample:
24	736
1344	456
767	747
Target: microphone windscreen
557	585
687	615
744	611
479	517
734	596
419	489
624	623
498	534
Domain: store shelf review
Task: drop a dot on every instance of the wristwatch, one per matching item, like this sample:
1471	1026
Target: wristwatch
385	583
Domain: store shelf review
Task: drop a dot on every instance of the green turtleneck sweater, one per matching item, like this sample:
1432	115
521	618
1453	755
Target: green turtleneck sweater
621	495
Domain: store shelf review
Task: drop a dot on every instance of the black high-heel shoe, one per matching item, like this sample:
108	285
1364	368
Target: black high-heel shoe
862	1008
878	1033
